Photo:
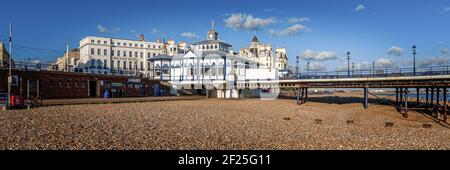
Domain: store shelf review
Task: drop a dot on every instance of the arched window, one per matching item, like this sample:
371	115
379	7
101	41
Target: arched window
203	47
215	47
207	47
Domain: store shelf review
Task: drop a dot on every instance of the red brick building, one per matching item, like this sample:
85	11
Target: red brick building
59	85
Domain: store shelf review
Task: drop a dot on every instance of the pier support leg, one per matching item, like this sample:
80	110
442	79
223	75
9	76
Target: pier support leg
445	104
432	99
401	98
298	95
417	96
306	95
437	103
396	96
426	99
405	114
366	97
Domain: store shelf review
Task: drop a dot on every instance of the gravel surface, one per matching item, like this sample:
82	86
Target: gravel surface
219	124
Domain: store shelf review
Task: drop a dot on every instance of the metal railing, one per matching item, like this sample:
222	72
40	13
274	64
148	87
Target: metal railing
379	72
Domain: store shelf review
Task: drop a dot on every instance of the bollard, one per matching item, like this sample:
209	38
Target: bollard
426	125
318	121
389	124
350	122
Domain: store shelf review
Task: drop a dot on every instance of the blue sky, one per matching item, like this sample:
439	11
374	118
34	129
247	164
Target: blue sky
321	31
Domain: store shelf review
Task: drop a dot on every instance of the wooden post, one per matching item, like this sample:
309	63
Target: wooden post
298	95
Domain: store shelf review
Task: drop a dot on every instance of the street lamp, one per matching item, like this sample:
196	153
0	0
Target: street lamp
296	68
307	67
348	64
414	59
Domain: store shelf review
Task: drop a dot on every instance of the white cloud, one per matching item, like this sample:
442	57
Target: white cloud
445	51
298	20
439	60
270	10
319	55
380	63
105	30
290	31
246	21
154	31
396	51
385	63
314	66
190	35
446	9
360	7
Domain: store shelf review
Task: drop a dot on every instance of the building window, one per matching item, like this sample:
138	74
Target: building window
135	54
105	52
118	65
135	45
142	54
154	54
112	64
68	83
124	53
105	42
118	53
149	55
130	45
112	52
52	82
92	41
99	51
118	43
60	82
142	66
131	54
92	51
98	42
154	46
148	66
112	43
142	45
75	84
124	65
104	64
130	65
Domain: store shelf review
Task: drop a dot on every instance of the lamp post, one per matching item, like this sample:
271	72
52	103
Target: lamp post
414	59
348	64
10	65
296	68
307	67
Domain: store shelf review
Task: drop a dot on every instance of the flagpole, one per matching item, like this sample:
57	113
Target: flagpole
10	63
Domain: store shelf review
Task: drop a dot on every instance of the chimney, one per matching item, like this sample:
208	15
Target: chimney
141	37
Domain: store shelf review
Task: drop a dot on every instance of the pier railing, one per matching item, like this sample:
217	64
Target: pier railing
379	72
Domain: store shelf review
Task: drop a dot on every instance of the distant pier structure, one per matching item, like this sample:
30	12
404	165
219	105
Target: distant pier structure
431	83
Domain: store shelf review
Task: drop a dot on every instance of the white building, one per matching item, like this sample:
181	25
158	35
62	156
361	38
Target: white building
122	56
266	57
210	67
